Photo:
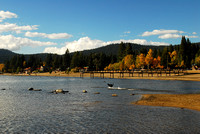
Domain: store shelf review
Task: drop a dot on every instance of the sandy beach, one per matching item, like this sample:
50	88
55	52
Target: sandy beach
189	101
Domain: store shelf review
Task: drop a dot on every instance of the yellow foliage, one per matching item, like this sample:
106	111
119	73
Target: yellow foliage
1	67
173	57
197	60
149	57
121	65
140	61
128	61
182	64
132	67
24	63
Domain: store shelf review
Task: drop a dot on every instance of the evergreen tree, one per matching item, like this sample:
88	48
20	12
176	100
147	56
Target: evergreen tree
75	62
121	52
165	59
183	49
66	59
48	61
128	49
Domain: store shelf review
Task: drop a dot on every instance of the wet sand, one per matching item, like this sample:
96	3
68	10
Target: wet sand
189	101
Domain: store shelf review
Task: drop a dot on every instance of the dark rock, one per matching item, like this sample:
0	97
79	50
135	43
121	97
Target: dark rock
30	89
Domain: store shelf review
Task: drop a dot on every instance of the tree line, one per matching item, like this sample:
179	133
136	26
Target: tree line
178	56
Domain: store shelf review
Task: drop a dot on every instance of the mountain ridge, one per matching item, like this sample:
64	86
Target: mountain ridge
111	49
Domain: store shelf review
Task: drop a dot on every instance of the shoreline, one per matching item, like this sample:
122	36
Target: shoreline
192	75
188	101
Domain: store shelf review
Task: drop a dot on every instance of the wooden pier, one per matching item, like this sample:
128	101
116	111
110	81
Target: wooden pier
134	73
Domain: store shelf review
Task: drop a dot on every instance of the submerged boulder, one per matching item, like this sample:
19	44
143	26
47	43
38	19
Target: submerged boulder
59	91
84	91
114	95
132	94
32	89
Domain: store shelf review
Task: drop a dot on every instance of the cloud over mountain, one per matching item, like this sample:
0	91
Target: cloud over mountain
86	43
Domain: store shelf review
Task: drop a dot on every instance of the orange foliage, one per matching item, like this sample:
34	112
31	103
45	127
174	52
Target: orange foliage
149	58
197	60
128	61
173	57
1	67
140	61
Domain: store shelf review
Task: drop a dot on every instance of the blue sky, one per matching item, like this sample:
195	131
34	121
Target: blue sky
37	26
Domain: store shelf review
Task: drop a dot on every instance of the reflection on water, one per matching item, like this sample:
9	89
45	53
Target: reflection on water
23	111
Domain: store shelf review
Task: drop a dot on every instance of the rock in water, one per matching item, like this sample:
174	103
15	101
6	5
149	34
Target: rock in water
84	91
59	90
114	95
31	89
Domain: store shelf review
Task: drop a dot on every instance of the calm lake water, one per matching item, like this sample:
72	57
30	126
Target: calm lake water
23	111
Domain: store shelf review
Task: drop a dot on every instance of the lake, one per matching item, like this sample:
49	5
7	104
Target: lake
24	111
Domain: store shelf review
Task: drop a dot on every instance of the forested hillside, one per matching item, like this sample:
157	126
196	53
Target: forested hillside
122	56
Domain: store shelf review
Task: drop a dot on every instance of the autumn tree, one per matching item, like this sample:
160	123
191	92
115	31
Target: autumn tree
140	61
149	58
1	67
197	61
128	61
174	59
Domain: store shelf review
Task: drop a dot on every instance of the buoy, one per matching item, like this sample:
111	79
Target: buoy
114	95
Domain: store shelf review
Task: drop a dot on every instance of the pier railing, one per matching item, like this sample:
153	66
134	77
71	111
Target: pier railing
134	73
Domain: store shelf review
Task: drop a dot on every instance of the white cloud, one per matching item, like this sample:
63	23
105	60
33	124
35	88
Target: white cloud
194	33
50	36
175	36
127	32
162	31
10	27
167	36
191	36
7	14
86	43
15	43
